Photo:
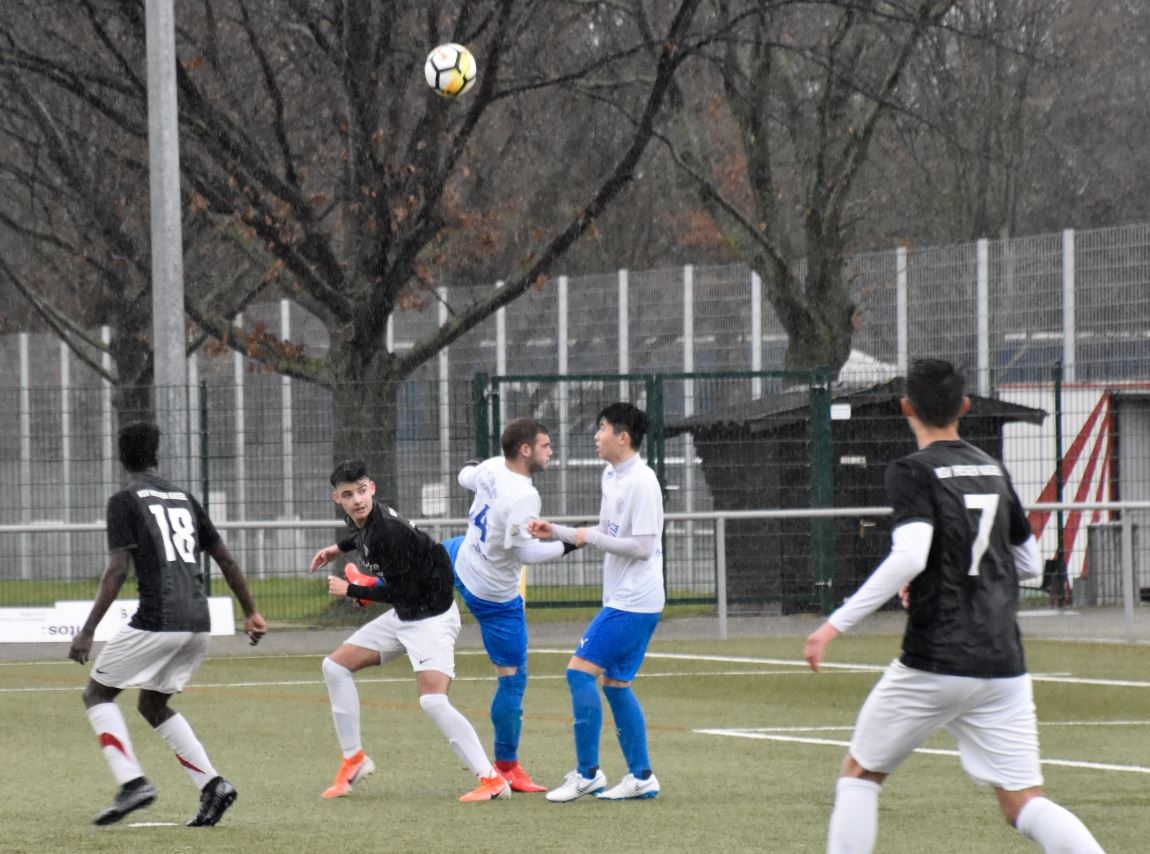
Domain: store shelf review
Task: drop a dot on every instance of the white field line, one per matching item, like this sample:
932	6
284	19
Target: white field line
766	735
788	667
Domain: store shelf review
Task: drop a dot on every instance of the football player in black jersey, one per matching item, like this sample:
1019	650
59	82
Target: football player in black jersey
960	544
161	530
406	568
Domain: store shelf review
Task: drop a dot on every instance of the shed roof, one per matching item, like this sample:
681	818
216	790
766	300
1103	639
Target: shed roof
772	412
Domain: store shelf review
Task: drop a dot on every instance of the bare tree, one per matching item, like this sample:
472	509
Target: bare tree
806	85
315	161
961	156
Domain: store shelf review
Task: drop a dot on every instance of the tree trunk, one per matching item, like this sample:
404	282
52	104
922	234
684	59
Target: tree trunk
365	415
818	330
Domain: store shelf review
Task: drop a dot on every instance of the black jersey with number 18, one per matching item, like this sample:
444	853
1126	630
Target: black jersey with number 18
166	529
963	606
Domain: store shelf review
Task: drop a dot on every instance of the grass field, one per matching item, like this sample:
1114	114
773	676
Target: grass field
746	743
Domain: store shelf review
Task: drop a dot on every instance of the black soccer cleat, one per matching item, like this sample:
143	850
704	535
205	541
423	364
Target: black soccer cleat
132	796
215	798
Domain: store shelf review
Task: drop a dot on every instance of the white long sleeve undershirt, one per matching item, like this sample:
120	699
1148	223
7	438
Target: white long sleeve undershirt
537	552
910	545
639	547
1027	560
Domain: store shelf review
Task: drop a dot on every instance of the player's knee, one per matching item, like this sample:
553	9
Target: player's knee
95	694
430	703
153	707
514	677
852	769
333	670
1012	802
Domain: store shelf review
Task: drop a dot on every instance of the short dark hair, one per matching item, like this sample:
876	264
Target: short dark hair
626	417
521	431
349	471
935	388
139	446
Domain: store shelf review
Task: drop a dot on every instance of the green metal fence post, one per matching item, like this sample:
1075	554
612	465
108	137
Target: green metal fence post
822	530
496	421
482	428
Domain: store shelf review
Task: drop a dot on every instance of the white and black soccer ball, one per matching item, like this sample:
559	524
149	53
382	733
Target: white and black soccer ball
450	70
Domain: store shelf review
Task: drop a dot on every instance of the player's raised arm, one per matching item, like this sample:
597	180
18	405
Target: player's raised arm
323	556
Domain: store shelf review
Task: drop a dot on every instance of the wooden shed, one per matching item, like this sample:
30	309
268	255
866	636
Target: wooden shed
758	455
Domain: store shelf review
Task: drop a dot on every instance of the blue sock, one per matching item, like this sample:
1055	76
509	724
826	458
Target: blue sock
507	714
588	711
630	726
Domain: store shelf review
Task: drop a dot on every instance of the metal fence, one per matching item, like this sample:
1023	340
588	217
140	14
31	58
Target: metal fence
1008	311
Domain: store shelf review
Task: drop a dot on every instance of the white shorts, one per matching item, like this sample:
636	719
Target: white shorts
155	661
993	721
429	643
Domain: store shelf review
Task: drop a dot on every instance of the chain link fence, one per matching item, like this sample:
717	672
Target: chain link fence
736	435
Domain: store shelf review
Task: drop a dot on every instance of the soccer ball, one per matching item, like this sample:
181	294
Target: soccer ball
450	70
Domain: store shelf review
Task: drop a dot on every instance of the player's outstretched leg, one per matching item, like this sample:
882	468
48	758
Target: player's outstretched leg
507	721
215	799
464	742
115	743
345	715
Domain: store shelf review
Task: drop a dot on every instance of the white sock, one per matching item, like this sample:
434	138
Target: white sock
177	734
344	707
115	743
1055	828
854	820
459	732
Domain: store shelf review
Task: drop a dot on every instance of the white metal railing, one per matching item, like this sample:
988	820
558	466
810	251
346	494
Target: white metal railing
718	517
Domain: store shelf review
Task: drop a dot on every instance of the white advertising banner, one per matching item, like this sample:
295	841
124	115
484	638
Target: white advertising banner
65	619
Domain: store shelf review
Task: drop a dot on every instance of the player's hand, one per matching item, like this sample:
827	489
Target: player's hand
323	556
817	643
337	586
255	627
540	529
81	647
904	596
580	537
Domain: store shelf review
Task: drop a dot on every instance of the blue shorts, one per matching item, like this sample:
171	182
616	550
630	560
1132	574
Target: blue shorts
617	641
452	547
503	625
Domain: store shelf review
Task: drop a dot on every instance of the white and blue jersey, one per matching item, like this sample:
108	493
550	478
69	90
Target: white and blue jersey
487	563
632	506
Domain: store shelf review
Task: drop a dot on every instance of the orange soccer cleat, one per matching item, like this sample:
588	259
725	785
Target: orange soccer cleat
493	788
351	771
518	778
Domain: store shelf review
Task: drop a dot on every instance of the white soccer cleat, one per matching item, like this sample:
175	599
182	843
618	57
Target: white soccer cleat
630	788
575	786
